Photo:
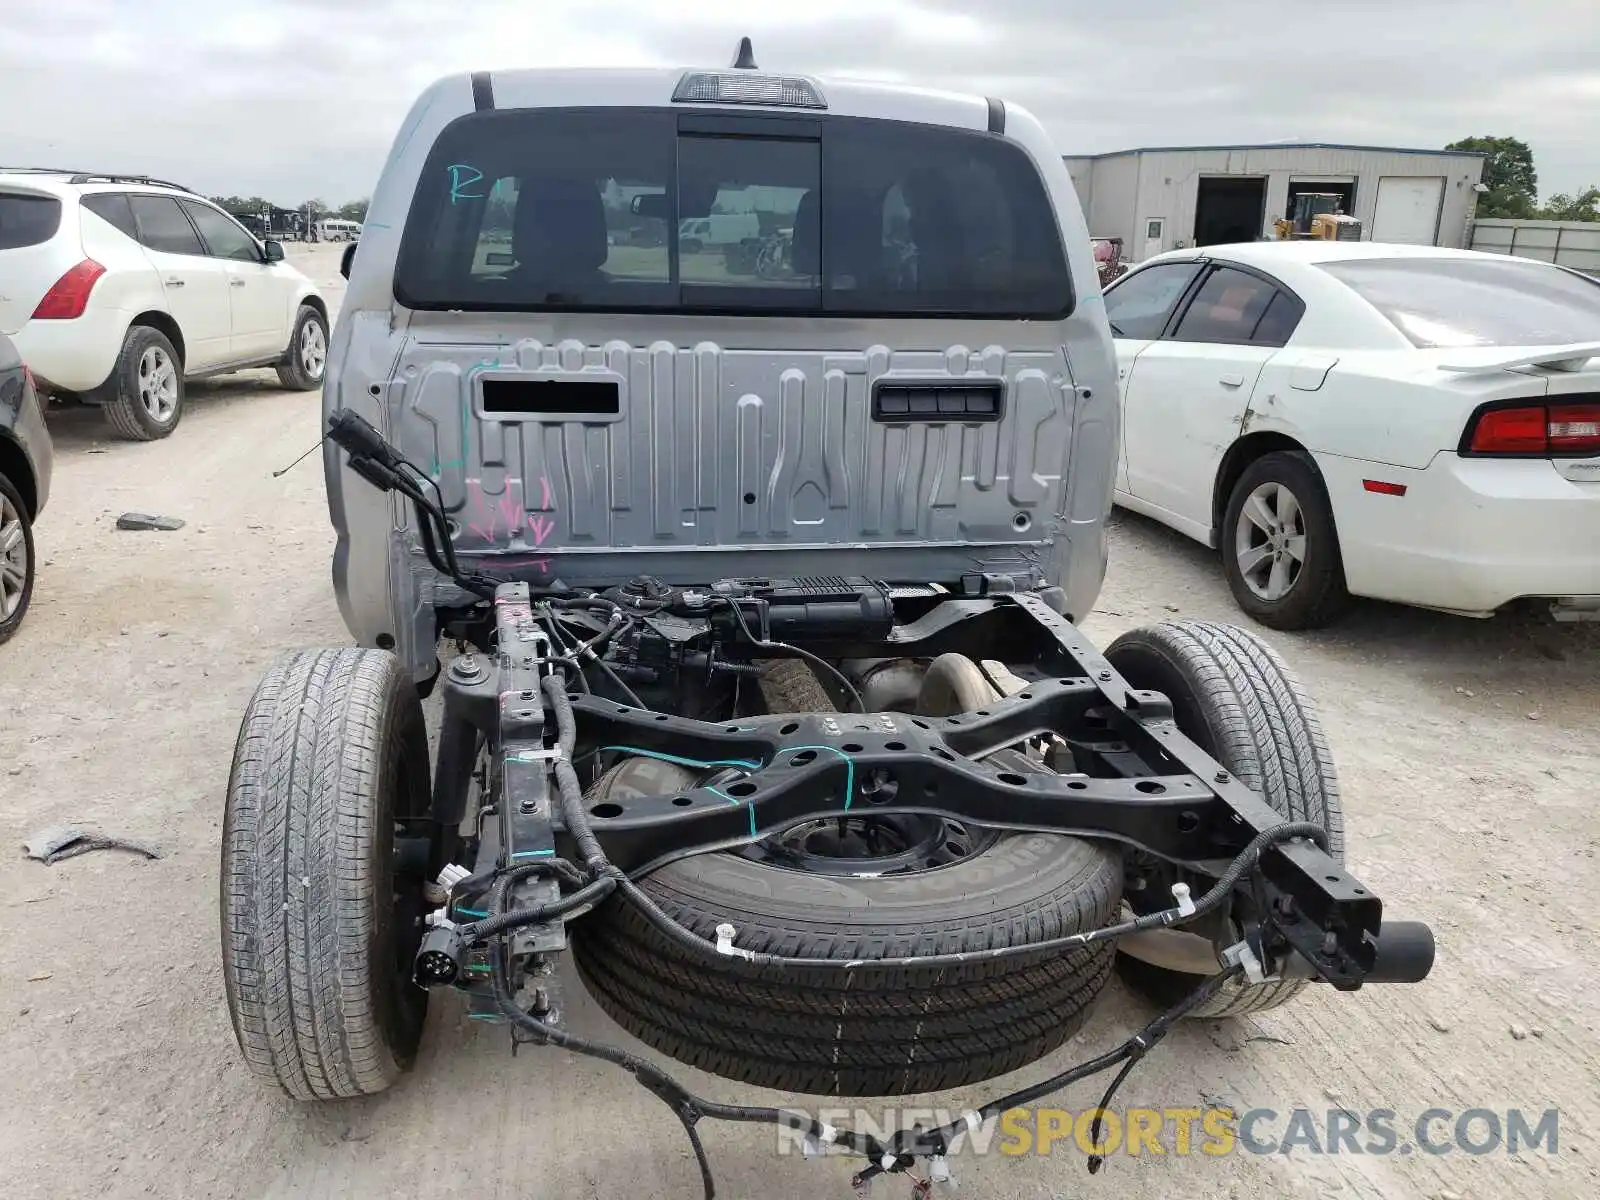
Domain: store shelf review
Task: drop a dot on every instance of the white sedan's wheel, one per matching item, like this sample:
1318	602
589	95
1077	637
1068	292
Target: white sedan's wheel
1269	541
1280	548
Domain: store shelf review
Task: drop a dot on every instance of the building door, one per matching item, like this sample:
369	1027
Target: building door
1343	187
1229	209
1154	238
1408	209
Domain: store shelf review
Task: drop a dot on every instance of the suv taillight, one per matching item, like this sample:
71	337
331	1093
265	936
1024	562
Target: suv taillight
69	295
1544	429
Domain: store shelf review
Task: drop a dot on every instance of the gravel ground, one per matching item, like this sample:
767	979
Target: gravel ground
1469	754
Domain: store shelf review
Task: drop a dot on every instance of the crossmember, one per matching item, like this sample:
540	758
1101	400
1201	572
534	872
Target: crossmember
1160	793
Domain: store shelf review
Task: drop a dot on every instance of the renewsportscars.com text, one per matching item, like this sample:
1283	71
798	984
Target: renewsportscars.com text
1213	1131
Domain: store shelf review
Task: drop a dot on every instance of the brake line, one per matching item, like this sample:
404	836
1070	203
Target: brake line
724	948
763	643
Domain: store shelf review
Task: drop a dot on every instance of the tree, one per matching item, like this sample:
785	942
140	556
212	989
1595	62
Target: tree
1584	206
1508	173
317	208
242	206
356	210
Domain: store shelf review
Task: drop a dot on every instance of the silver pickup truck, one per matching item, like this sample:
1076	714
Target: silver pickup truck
748	601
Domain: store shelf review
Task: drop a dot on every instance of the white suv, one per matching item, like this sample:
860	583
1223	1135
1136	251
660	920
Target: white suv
118	289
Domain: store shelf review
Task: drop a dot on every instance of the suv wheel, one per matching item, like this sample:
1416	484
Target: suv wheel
16	559
307	357
143	399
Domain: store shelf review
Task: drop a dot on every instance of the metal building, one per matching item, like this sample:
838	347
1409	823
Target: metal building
1171	197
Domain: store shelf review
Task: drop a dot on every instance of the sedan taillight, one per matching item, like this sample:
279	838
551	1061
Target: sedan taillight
1574	428
1568	430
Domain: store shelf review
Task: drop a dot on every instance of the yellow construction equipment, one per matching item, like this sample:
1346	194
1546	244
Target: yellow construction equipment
1317	217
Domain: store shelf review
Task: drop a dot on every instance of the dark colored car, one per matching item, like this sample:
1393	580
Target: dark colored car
25	457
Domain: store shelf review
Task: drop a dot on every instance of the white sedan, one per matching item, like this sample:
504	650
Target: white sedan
1404	423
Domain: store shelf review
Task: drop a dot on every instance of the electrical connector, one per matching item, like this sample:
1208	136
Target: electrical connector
438	891
725	935
1180	893
1239	954
438	962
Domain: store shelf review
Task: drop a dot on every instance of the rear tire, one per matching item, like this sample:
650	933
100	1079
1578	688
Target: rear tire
319	922
143	398
1315	594
306	360
1237	700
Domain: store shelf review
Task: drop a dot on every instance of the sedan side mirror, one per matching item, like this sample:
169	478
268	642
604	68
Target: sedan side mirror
273	250
348	257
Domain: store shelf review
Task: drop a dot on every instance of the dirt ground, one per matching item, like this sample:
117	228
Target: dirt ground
1469	752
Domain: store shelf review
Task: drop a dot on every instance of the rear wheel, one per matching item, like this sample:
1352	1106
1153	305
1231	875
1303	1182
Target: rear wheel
143	398
1280	549
306	359
856	887
322	896
1234	697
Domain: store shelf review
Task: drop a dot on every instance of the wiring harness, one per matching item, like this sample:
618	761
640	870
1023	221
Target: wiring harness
596	878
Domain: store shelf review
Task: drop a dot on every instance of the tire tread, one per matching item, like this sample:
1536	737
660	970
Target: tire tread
11	624
1319	597
877	1031
300	879
1265	729
290	374
120	405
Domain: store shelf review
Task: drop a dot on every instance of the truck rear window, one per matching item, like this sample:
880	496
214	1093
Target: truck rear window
27	220
625	209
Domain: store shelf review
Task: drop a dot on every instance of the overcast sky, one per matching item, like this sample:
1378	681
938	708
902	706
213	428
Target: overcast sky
294	99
